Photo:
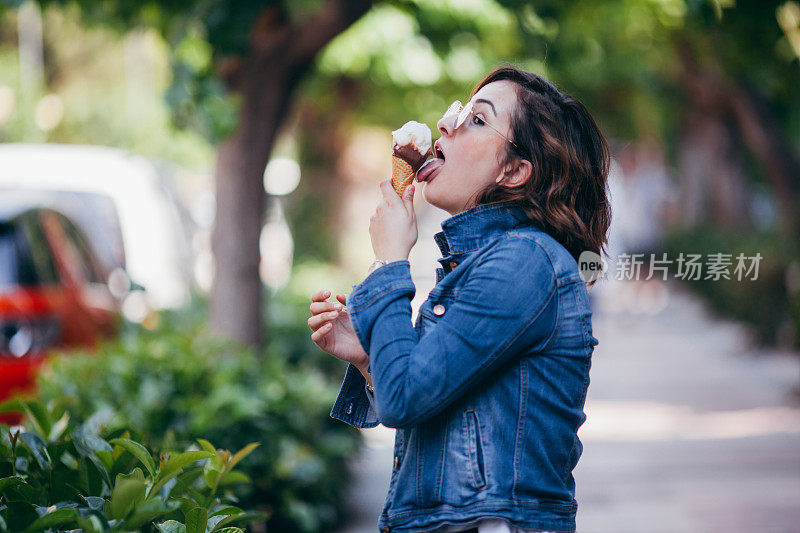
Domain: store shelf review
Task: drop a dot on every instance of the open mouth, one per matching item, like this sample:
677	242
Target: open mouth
431	166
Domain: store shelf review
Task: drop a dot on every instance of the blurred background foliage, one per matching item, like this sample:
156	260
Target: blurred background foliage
663	70
103	88
177	382
630	61
774	319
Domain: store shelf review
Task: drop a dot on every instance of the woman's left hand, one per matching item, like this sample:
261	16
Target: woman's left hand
393	227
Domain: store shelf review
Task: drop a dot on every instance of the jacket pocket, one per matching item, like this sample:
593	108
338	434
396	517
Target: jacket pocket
474	447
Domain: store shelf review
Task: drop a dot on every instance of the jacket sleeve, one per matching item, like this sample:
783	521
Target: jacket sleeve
355	405
507	305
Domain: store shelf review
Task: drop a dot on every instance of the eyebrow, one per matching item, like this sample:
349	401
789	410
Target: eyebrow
484	101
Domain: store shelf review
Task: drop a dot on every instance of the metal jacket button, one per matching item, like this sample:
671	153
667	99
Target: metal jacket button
453	264
396	462
438	309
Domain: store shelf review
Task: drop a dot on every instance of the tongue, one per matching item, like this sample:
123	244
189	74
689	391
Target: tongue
428	168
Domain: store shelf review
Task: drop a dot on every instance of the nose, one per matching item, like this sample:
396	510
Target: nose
445	125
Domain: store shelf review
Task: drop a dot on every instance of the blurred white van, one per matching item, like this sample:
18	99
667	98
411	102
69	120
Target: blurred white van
127	204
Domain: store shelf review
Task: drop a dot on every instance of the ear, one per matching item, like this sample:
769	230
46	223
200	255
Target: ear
516	173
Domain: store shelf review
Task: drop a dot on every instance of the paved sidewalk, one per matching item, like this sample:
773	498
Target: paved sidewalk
687	431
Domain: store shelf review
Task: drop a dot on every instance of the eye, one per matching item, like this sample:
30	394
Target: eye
477	120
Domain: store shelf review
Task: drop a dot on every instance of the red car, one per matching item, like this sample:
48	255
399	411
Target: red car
53	293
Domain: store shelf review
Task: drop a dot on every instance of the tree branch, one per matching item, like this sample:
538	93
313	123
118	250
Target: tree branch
336	16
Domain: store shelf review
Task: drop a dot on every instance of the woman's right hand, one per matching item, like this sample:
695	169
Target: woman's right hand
333	331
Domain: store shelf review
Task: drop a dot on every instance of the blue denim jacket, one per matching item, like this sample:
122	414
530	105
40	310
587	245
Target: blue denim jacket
487	388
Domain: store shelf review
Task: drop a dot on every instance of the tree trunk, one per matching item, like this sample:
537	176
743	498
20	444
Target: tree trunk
780	164
711	170
743	117
236	293
280	55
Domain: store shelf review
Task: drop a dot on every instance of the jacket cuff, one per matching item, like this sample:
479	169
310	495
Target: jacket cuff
353	405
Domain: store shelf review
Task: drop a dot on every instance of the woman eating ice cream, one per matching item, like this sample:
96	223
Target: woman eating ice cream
487	388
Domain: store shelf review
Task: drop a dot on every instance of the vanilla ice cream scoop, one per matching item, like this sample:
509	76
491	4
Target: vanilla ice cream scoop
413	133
412	146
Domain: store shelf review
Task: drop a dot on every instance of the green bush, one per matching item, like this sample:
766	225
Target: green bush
55	476
179	382
770	304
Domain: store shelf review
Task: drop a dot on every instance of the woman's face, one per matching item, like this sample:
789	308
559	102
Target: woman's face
471	154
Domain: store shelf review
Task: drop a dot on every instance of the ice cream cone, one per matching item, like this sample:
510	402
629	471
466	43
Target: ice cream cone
402	175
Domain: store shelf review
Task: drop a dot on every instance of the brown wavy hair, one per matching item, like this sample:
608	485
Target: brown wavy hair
566	195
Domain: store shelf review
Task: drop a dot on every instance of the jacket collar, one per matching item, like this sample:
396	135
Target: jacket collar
471	229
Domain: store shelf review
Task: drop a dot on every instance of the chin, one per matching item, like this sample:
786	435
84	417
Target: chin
427	196
436	202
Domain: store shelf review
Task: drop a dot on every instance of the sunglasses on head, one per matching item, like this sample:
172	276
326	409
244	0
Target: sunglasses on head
461	112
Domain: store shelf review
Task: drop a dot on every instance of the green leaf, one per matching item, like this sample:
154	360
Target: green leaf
106	459
13	404
87	444
189	475
212	522
187	504
29	493
38	416
147	512
211	476
176	462
91	524
234	477
55	519
239	519
227	510
241	454
138	451
11	483
207	446
189	497
59	427
230	530
196	520
96	449
213	470
19	515
171	526
39	449
34	411
93	502
100	467
128	491
174	465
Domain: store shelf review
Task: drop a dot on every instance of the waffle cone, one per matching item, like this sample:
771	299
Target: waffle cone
402	175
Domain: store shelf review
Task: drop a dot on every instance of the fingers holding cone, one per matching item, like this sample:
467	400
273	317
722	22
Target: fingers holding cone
408	198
